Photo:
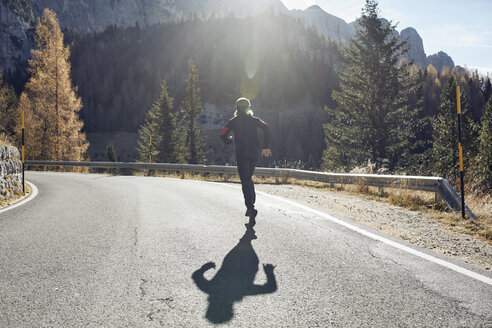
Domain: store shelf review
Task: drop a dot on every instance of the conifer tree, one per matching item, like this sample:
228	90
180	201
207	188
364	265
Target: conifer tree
171	148
8	109
373	120
445	155
161	123
191	108
49	100
487	89
483	170
149	135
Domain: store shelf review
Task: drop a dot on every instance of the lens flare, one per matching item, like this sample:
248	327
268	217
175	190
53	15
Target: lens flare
251	64
250	87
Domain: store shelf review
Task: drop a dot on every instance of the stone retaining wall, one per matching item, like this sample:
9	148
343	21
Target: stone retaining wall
10	172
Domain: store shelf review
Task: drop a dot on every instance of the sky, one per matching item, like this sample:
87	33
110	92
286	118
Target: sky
460	28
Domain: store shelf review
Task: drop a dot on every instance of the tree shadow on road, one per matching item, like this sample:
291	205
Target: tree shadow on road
234	280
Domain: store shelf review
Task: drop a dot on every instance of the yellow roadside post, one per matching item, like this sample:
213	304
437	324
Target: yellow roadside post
150	154
150	149
460	149
23	178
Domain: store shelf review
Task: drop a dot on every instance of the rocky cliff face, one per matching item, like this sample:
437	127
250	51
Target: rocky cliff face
416	50
10	172
17	19
15	33
95	15
328	25
440	60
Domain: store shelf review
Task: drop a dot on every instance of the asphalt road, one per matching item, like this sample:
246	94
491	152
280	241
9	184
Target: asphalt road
103	251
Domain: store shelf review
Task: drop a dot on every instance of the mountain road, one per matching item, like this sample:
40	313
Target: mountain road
126	251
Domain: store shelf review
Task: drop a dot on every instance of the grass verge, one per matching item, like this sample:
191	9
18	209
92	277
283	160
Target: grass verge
16	198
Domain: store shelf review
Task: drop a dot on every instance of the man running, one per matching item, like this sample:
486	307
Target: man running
245	125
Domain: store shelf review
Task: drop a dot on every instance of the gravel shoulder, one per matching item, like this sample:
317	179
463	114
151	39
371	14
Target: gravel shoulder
412	226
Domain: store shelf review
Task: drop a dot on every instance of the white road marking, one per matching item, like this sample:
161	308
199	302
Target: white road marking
386	241
34	193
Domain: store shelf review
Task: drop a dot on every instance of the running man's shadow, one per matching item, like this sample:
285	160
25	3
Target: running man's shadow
234	280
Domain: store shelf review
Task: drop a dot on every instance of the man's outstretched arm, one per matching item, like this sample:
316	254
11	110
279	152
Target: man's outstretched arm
200	280
270	286
266	138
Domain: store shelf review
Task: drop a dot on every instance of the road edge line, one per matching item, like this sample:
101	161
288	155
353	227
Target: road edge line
34	193
446	264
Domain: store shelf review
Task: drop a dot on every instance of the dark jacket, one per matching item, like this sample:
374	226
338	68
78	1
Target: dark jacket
246	135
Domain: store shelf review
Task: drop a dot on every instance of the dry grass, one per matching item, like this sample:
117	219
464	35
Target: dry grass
5	140
425	203
5	143
16	198
53	168
481	206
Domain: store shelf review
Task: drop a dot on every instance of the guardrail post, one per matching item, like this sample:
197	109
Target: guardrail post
381	191
437	197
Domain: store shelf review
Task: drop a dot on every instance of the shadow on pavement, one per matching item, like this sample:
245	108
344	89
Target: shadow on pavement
234	280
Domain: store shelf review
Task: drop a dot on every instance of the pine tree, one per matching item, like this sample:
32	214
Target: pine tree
171	148
149	135
373	120
191	108
487	89
483	169
475	95
161	123
53	127
444	152
8	109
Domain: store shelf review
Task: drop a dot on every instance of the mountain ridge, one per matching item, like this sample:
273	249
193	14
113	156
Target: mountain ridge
17	21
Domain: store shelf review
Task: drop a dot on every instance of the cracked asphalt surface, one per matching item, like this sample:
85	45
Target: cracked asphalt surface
121	251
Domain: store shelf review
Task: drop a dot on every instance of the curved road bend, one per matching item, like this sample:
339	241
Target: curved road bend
104	251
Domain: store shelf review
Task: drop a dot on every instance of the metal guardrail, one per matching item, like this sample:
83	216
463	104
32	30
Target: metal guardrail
433	184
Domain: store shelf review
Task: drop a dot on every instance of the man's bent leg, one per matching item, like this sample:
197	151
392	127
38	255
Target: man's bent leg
245	173
252	166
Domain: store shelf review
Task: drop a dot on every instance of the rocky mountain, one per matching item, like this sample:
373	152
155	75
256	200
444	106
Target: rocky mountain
328	25
15	33
440	60
97	14
338	30
17	19
416	49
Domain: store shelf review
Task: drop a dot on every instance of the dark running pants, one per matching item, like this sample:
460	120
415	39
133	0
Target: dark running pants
246	168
